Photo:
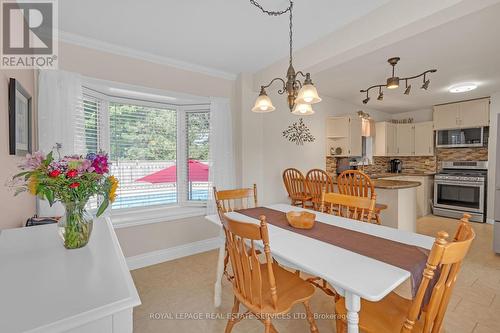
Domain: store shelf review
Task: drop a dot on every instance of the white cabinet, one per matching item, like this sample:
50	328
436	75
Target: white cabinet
344	133
474	113
424	139
405	139
385	139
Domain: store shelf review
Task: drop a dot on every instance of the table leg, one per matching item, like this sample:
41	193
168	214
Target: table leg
353	305
220	270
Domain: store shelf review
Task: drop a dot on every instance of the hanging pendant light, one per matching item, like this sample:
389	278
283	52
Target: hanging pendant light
263	103
298	94
303	110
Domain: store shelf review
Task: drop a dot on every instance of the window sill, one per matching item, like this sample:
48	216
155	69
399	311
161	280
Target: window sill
138	217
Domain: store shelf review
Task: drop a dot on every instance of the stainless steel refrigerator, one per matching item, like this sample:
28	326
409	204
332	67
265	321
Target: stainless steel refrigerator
496	227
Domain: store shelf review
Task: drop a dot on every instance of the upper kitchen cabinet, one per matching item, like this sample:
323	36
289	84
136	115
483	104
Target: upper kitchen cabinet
343	136
405	139
473	113
385	139
424	139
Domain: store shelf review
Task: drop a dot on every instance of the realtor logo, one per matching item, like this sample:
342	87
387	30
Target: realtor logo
29	34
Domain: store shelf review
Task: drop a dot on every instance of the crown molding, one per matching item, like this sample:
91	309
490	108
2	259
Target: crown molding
79	40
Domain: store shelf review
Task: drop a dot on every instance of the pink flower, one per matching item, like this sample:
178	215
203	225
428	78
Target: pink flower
33	161
100	164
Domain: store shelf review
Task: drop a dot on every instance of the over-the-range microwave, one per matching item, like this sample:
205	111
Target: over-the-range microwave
462	137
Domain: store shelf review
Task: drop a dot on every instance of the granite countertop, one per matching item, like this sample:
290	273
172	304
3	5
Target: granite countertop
390	184
404	173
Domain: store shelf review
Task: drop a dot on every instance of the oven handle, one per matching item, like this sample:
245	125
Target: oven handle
447	182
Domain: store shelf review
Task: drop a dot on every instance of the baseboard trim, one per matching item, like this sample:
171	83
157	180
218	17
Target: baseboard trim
184	250
490	221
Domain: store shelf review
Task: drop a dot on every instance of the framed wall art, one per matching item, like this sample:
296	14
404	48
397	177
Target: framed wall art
20	131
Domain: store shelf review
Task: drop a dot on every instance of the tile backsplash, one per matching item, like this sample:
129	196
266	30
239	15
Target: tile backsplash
420	163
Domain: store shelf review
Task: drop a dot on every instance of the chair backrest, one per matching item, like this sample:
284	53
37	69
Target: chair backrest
355	182
248	280
295	183
231	200
448	257
349	206
318	181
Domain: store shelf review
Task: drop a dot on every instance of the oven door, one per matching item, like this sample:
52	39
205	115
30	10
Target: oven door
464	196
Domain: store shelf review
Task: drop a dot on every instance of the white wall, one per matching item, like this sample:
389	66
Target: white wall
417	115
492	153
277	153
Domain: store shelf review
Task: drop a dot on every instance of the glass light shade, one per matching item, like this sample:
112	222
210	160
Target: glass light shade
393	82
263	104
308	95
365	127
303	110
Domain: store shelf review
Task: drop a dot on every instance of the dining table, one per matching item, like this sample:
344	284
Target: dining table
353	275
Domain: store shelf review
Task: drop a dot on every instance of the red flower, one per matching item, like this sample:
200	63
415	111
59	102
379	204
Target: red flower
72	173
54	173
74	185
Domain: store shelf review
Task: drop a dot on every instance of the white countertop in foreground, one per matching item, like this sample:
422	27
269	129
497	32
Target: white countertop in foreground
46	288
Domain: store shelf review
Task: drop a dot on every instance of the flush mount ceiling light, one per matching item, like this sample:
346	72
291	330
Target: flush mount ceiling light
300	95
462	87
393	81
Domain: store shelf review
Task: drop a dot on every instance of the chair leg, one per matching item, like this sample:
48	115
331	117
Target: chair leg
232	319
267	324
377	218
341	327
310	318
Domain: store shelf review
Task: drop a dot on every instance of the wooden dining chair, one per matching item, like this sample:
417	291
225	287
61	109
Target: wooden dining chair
229	201
318	181
295	184
264	288
395	314
358	183
349	206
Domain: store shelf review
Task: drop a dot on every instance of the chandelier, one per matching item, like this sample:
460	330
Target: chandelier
393	82
300	95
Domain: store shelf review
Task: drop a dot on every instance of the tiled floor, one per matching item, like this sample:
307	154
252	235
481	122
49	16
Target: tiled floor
177	296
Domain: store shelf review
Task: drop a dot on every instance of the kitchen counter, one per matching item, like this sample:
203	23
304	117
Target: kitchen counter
391	184
404	173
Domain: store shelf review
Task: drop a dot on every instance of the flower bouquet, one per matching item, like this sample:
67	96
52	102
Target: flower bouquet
71	180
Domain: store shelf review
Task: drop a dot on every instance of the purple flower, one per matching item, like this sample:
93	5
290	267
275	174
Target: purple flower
100	164
91	156
33	161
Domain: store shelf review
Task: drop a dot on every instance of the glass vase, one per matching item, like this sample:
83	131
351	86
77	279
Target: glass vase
75	226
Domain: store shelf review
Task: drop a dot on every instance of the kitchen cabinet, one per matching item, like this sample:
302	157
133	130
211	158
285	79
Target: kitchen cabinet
385	139
405	139
414	139
424	139
473	113
344	133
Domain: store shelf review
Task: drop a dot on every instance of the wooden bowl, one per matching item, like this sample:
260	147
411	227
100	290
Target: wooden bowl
301	220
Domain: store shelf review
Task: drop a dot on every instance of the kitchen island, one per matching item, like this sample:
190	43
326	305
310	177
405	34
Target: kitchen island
400	196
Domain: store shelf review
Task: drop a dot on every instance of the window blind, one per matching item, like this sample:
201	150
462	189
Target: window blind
143	154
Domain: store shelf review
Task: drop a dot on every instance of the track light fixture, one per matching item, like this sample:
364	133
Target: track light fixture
393	81
408	88
380	94
426	83
367	99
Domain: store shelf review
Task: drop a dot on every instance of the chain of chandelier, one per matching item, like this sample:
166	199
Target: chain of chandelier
300	95
393	82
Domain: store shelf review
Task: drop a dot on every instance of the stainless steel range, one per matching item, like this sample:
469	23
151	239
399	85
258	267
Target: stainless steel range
461	187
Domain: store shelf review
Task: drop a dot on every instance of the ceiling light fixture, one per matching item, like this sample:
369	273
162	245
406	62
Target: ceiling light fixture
298	94
393	81
408	88
462	87
380	94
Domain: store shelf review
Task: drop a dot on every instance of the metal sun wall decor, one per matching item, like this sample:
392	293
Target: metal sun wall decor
298	133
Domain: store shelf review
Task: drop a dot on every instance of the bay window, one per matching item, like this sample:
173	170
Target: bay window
158	152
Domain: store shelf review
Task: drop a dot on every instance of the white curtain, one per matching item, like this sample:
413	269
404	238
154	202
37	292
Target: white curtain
59	105
222	172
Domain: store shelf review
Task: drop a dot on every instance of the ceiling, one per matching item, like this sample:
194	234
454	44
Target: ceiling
227	35
463	50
